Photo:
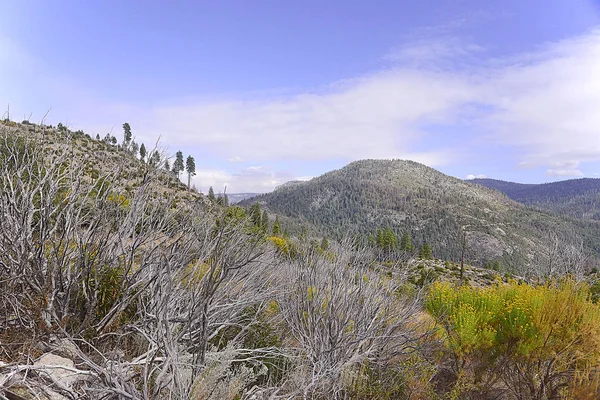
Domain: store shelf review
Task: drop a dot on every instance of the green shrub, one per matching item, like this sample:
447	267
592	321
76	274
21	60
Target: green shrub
534	339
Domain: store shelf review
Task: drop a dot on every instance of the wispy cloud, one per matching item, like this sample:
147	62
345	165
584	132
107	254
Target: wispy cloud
546	104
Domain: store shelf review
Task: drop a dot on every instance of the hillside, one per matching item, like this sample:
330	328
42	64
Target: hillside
577	198
434	208
101	158
118	282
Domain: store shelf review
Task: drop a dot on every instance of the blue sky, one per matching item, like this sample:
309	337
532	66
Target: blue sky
262	92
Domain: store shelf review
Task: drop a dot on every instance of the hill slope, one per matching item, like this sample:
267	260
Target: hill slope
435	208
577	198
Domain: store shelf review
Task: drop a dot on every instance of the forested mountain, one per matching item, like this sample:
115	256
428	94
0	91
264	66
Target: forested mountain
577	198
237	197
434	208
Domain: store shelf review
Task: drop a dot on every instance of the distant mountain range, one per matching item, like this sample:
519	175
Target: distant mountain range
434	208
237	197
577	198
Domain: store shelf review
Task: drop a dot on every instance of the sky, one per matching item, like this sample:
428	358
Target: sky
266	91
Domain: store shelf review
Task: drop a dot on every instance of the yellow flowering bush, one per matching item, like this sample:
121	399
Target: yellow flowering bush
531	340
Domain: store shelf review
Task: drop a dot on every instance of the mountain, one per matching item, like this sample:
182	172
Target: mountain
235	198
577	198
434	208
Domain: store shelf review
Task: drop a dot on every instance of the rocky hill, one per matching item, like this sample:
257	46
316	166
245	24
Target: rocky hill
434	208
102	158
577	198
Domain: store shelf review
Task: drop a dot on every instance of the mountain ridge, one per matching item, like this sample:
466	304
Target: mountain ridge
435	208
576	198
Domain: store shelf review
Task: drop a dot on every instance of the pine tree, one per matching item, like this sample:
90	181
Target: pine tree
167	166
225	200
178	163
142	152
276	227
391	241
190	168
211	194
134	148
264	223
406	243
425	252
97	136
255	215
126	135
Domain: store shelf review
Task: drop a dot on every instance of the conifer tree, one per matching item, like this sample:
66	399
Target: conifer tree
126	135
255	215
211	194
406	243
134	148
276	227
178	163
97	136
265	221
142	152
225	200
190	168
167	166
425	252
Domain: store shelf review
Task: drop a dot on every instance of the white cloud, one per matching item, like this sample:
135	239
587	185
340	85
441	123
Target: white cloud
426	52
564	172
546	104
377	116
478	176
254	179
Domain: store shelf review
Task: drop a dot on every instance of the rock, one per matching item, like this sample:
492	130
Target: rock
66	376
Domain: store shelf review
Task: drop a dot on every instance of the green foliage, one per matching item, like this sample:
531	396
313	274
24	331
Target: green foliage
255	215
324	244
190	168
276	227
373	382
264	222
406	243
126	134
211	194
386	240
425	252
532	338
142	152
178	163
